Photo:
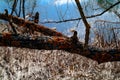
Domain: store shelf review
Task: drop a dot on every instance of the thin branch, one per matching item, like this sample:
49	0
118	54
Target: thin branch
14	6
104	10
92	16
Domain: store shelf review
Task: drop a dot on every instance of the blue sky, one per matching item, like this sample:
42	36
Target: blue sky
48	11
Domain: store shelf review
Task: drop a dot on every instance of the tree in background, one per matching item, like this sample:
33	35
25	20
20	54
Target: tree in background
20	7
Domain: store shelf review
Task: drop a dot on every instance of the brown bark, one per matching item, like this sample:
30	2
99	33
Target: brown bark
56	41
36	27
85	23
47	43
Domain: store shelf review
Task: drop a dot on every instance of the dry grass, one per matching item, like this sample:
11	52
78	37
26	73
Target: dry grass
106	34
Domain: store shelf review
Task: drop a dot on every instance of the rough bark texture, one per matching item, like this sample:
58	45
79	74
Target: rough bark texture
58	43
47	43
55	41
85	23
23	23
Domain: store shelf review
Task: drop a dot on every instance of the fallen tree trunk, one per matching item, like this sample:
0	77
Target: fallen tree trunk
36	27
58	43
45	42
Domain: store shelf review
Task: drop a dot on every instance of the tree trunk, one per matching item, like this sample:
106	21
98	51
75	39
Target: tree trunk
23	8
58	43
55	41
14	6
23	23
85	23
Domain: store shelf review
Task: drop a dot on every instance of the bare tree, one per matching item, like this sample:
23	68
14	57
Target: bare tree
14	6
85	23
23	8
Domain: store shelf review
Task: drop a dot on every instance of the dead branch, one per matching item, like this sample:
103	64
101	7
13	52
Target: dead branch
24	23
92	16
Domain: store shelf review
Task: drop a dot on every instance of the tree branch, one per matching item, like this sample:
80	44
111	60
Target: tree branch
14	6
23	23
92	16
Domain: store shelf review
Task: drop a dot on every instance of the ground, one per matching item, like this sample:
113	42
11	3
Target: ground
30	64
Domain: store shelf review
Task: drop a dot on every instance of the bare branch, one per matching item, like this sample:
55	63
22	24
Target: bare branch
14	6
92	16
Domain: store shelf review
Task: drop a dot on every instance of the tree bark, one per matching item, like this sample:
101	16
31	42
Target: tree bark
23	8
85	23
58	43
23	23
55	41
